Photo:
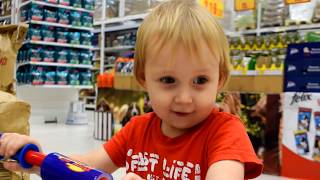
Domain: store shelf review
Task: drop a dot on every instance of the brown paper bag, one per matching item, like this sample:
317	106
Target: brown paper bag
11	39
14	117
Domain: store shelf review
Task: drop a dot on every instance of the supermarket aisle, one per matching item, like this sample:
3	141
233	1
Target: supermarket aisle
70	139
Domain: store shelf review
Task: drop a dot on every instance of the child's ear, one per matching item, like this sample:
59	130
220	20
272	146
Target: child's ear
142	80
222	82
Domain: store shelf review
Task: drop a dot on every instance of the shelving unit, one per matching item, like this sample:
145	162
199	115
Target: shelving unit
57	86
56	65
118	48
54	5
56	44
59	25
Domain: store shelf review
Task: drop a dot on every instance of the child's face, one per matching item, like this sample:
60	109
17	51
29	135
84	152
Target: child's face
182	88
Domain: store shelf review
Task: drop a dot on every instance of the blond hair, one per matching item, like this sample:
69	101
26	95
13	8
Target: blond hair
181	22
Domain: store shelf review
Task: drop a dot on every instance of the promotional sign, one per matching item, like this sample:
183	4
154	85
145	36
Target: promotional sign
216	7
301	135
243	5
296	1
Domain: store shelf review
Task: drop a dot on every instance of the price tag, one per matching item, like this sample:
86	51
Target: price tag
216	7
244	5
296	1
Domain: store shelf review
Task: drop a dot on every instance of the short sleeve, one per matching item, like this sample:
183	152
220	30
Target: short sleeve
231	142
116	147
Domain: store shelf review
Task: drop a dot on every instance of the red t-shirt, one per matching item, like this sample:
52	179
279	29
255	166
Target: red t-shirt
144	150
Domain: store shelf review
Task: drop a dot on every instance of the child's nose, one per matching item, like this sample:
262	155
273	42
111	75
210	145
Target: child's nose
183	97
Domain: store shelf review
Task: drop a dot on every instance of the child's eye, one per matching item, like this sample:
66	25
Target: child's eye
167	80
200	80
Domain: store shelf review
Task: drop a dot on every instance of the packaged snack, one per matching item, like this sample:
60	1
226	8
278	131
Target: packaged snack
85	57
50	16
317	122
48	55
74	77
65	2
24	15
316	149
75	18
50	76
62	76
34	34
62	56
87	19
48	34
33	55
36	12
302	142
76	3
304	117
88	4
63	16
74	37
85	77
73	57
37	75
274	13
86	38
62	35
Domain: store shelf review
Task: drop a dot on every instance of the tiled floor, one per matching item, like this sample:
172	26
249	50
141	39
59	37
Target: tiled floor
71	139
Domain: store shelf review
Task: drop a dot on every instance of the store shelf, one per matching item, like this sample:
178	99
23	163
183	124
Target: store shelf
57	86
256	73
59	44
59	25
56	65
118	48
2	18
119	27
273	29
290	28
241	83
255	84
54	5
121	20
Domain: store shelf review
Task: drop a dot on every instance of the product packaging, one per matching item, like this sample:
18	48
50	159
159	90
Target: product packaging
11	38
302	143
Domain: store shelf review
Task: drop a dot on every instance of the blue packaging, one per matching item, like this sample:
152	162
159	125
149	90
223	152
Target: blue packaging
74	37
76	3
50	76
33	54
303	50
48	55
62	56
86	57
34	34
48	34
62	75
62	35
50	16
36	12
37	75
88	4
86	77
86	38
87	19
24	15
75	18
63	16
73	57
74	77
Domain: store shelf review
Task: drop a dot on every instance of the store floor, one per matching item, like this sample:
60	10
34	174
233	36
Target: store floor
71	139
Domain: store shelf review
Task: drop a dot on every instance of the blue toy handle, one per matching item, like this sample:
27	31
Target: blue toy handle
19	156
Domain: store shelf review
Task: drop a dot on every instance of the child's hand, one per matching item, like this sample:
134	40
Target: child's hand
132	176
10	143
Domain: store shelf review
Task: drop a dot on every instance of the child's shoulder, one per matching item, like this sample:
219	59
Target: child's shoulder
220	118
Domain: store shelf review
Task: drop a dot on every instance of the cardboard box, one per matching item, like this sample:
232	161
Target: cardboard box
122	81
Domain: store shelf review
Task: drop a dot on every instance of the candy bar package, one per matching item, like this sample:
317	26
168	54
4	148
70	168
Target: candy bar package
304	116
12	36
302	144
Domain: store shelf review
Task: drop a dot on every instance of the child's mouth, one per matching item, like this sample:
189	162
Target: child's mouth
181	114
